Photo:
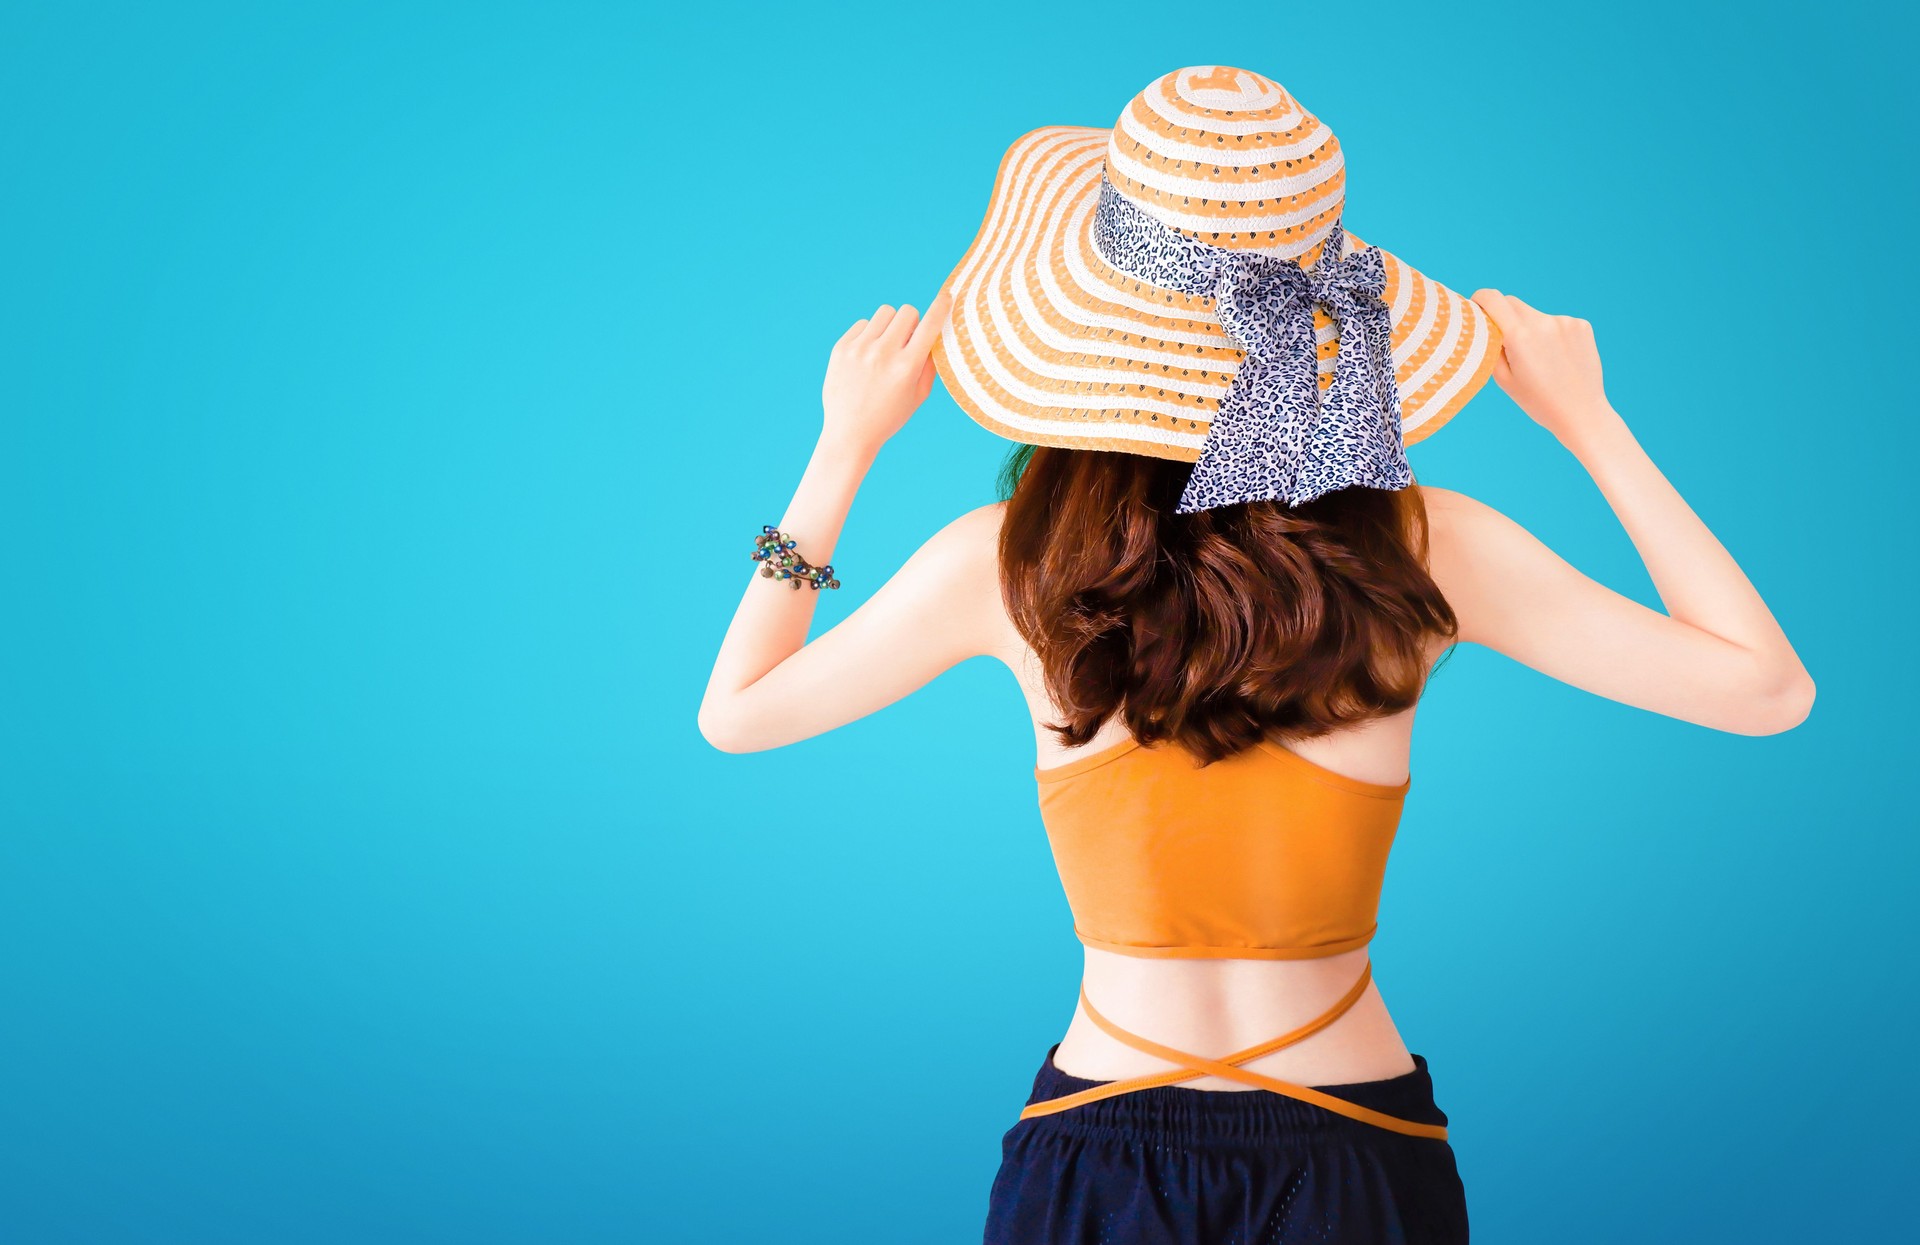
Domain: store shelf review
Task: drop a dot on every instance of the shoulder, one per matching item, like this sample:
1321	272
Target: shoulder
965	547
971	541
1459	526
966	553
1446	502
1486	564
984	521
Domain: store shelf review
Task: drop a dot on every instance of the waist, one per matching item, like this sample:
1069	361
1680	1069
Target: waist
1175	1115
1215	1006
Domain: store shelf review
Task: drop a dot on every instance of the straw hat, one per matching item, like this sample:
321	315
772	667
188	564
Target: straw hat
1052	342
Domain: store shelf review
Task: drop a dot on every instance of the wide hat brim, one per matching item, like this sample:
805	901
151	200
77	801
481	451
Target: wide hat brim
1049	345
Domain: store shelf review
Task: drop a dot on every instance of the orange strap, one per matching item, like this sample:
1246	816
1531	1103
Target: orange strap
1228	1069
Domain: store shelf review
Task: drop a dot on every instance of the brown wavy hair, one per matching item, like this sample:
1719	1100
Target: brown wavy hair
1218	628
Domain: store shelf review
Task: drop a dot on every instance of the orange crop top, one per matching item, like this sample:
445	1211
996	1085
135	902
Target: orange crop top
1263	855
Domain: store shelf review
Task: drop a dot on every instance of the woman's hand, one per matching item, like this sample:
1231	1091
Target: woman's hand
1549	366
878	374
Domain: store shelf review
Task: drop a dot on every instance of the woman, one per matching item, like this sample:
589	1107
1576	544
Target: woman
1222	593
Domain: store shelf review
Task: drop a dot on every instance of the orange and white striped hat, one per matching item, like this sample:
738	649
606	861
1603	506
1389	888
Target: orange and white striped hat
1124	280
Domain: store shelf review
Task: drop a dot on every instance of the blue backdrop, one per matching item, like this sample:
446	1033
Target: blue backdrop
390	394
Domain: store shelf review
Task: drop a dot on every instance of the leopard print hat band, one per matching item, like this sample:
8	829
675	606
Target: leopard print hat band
1061	336
1276	436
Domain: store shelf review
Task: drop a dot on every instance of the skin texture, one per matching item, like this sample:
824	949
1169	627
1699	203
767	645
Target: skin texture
1715	657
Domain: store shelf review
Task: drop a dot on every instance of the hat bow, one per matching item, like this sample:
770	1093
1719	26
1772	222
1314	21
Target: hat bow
1263	302
1277	435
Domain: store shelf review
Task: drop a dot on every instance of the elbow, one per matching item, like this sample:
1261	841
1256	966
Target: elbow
1782	707
717	730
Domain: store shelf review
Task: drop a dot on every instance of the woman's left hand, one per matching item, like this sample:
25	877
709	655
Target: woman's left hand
879	373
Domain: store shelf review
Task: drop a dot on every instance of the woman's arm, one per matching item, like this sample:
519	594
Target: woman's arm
1716	658
769	687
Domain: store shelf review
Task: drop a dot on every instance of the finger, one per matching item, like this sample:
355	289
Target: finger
851	333
1498	308
932	324
901	326
927	374
877	322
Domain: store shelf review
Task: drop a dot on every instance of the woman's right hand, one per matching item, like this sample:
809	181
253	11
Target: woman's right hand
1549	366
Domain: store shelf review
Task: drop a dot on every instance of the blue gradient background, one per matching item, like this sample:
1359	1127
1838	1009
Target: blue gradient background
389	394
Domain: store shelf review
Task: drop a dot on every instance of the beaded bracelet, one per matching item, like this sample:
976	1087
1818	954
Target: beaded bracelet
773	548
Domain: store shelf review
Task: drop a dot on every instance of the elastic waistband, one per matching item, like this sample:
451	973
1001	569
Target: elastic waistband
1257	1117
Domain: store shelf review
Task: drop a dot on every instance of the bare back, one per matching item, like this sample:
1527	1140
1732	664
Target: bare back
1224	1005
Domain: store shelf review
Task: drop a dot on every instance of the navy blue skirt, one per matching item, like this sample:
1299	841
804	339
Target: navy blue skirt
1177	1166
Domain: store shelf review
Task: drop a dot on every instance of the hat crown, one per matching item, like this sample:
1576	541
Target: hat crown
1228	156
